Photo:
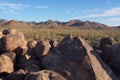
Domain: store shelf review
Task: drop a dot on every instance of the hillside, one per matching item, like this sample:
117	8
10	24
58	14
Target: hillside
51	23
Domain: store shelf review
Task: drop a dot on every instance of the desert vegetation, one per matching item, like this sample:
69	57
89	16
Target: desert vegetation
91	36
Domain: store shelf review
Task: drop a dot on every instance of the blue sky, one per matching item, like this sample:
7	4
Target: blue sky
103	11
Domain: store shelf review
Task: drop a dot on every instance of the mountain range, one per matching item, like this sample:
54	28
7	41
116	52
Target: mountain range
51	23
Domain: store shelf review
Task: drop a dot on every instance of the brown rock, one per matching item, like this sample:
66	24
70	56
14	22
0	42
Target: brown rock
101	70
111	56
55	61
32	44
6	65
12	42
1	35
17	75
11	55
107	41
84	60
31	66
41	49
75	56
9	31
44	75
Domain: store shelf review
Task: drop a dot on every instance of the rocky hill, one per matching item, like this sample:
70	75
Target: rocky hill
72	59
49	23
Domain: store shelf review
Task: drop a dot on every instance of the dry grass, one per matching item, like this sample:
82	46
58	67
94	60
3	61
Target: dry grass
92	36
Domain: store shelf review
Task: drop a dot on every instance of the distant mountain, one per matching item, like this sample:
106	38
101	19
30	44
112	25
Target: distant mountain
74	23
3	21
118	26
50	23
85	24
15	23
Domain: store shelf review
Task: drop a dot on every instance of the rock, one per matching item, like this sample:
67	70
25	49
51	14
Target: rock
31	66
12	42
20	60
84	60
54	61
31	46
11	55
6	65
75	56
118	78
26	63
17	75
111	56
53	43
44	75
9	31
101	70
1	35
41	49
107	41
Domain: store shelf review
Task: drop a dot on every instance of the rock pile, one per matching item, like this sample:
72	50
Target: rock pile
111	54
71	59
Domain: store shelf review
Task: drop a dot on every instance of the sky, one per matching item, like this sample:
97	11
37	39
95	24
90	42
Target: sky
103	11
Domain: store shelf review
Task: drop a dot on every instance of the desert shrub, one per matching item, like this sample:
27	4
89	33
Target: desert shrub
91	36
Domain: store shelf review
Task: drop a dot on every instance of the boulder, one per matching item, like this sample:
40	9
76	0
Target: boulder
17	75
13	42
84	60
41	49
11	55
20	60
44	75
1	35
54	61
31	65
101	70
9	31
107	41
6	64
111	56
31	46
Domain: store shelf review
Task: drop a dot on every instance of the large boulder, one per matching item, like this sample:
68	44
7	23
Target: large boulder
13	42
111	56
101	70
41	49
6	64
84	60
55	61
44	75
75	55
